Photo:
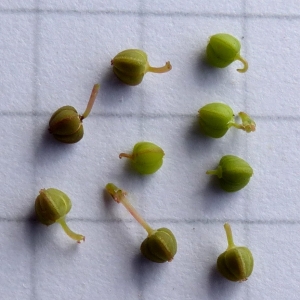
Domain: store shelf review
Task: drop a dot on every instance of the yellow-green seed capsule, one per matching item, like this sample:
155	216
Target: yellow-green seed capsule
160	245
52	206
146	157
216	118
236	263
66	124
223	49
233	172
131	65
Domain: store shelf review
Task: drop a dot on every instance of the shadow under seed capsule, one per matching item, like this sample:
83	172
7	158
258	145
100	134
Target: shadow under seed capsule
160	246
66	124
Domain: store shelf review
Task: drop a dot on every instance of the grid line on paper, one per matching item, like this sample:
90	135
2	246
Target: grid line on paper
169	221
266	118
149	13
141	109
247	197
34	115
141	115
141	44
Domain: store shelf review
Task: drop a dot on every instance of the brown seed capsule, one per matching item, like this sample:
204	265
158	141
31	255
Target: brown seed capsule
131	65
66	124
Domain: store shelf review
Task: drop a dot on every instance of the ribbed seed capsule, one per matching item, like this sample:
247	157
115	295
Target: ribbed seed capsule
223	49
146	157
233	172
216	118
236	263
160	245
52	206
131	65
66	124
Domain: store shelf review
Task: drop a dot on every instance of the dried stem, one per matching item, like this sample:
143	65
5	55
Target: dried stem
120	197
245	68
125	155
229	236
91	101
247	125
163	69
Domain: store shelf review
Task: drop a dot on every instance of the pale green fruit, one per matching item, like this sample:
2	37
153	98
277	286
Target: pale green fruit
215	118
131	65
223	49
51	206
233	172
146	157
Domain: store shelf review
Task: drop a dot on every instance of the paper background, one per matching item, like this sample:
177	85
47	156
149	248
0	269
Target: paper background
52	52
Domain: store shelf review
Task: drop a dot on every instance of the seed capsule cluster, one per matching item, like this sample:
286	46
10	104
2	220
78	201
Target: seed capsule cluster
215	119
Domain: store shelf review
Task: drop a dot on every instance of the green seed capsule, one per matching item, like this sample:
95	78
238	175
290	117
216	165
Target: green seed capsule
131	65
234	173
52	206
160	246
216	118
66	124
223	49
236	263
146	157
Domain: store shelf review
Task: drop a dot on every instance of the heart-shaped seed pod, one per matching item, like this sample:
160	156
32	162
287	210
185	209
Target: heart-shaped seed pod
236	263
52	206
131	65
160	246
233	172
223	49
146	157
66	124
216	118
